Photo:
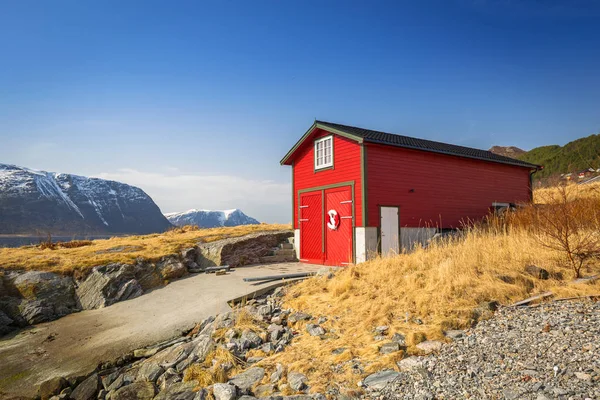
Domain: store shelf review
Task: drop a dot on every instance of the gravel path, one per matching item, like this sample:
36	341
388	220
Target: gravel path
547	352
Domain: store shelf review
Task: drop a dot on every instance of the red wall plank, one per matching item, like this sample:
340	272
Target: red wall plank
346	168
447	189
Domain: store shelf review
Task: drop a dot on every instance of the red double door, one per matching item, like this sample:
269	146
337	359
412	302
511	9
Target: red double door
326	226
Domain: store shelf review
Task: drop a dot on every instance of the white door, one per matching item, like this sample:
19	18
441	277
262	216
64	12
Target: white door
390	243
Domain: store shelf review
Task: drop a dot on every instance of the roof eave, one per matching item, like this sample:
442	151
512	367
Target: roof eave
517	164
286	160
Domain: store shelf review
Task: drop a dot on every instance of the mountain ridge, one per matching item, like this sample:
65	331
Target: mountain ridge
210	218
34	200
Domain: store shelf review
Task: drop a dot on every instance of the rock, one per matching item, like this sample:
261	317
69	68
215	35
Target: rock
149	371
277	374
171	356
388	348
408	363
326	272
248	378
264	390
382	330
299	316
224	391
170	377
297	381
52	387
537	272
44	296
240	251
87	389
454	334
253	338
430	346
583	376
202	345
315	330
254	360
5	322
140	390
178	391
106	285
268	348
378	380
399	338
171	268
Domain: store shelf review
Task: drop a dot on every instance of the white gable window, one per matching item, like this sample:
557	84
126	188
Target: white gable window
324	152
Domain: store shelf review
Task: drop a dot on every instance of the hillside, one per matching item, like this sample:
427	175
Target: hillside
507	151
577	155
34	201
211	219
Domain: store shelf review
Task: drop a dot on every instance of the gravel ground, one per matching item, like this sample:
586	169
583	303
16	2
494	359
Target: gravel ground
547	352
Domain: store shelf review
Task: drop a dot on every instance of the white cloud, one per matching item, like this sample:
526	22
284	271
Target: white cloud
266	200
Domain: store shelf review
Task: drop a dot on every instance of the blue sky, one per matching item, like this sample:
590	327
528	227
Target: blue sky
196	102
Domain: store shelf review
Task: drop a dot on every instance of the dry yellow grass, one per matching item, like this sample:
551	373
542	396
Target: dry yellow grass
442	286
151	247
591	190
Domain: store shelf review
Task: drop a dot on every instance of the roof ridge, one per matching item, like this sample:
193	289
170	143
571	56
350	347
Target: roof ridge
451	149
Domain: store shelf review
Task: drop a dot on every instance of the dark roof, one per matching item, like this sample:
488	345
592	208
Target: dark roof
421	144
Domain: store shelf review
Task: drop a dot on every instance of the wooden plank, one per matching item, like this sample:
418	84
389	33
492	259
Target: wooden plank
532	299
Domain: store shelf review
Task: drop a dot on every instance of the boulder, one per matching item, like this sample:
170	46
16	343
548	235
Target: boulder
171	356
248	378
52	387
87	389
5	322
108	284
140	390
202	345
297	381
40	297
299	316
149	371
430	346
539	273
408	363
224	391
277	374
399	338
252	337
170	377
315	330
379	380
171	268
388	348
239	251
178	391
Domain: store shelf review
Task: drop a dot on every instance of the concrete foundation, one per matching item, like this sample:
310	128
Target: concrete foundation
410	237
297	242
366	243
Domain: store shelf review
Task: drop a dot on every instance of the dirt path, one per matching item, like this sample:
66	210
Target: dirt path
75	344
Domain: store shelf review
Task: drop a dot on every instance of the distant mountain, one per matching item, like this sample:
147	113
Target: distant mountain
575	156
45	202
211	219
507	151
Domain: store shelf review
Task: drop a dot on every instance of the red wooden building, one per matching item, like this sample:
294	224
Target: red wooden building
358	192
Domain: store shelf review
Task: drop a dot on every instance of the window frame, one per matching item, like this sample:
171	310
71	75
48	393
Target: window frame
324	165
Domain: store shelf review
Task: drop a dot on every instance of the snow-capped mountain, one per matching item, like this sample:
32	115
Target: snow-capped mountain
210	219
34	201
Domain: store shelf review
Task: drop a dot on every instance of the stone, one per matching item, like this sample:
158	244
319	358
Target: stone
430	346
106	285
87	389
170	377
264	390
149	371
315	330
178	391
268	348
408	363
326	272
299	316
583	376
382	330
454	334
252	337
388	348
244	250
171	268
248	378
254	360
379	380
43	296
52	387
5	322
277	374
224	391
297	381
399	338
140	390
171	356
202	345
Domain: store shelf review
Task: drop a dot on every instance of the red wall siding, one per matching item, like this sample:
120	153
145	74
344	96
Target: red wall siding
446	188
346	168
